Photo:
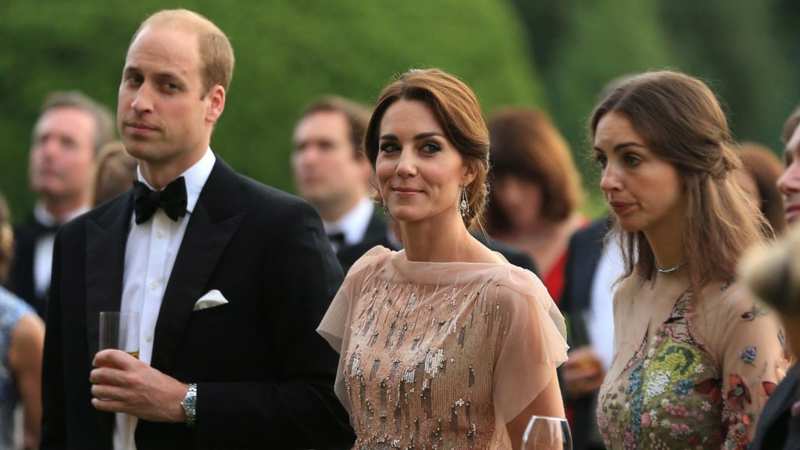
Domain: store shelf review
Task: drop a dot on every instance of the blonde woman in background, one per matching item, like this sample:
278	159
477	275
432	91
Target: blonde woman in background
773	275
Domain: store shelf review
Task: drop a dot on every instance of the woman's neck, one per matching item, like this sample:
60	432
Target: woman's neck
443	238
666	242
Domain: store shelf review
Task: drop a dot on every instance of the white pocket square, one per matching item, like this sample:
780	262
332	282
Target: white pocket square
210	299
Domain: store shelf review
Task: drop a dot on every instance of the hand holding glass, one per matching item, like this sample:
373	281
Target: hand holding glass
120	331
547	433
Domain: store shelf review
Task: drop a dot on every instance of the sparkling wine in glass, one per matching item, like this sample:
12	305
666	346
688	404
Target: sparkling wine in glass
547	433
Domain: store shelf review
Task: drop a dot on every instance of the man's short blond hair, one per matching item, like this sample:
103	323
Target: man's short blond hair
216	53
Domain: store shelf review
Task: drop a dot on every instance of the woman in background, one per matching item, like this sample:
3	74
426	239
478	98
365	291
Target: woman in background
535	191
695	357
759	178
443	344
21	345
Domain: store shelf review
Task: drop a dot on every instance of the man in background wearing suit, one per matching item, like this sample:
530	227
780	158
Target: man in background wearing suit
70	131
593	266
230	279
332	172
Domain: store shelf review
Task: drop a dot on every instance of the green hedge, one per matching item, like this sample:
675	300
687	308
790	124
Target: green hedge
288	53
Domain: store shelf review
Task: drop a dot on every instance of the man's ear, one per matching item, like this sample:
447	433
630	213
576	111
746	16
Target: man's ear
216	103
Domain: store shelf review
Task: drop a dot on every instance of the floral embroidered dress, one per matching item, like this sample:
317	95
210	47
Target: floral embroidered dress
701	377
440	355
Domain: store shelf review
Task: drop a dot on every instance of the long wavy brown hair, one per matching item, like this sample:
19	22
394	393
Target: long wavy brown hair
681	121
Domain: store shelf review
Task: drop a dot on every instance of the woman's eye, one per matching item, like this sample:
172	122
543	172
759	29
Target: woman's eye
631	160
389	147
431	147
600	160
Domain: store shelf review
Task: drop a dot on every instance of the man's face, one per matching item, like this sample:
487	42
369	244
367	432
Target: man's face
163	111
325	167
62	153
789	182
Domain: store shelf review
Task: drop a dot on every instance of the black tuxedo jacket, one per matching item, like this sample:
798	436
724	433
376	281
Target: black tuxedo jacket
264	376
583	255
376	234
20	280
777	429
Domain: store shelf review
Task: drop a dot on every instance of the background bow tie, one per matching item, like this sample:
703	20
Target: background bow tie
172	200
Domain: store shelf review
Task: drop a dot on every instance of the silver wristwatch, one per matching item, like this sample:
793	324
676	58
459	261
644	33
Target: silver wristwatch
189	404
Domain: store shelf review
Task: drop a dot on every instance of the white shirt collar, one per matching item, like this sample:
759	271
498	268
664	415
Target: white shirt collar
195	177
45	218
353	224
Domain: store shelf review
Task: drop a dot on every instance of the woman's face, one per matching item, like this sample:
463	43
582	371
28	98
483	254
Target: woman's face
519	199
420	173
643	190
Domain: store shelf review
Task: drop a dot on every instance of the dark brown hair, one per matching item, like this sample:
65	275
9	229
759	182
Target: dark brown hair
765	168
527	145
682	122
458	112
356	115
100	114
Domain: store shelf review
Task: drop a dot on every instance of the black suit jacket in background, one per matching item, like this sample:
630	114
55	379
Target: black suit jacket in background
777	429
377	233
20	280
264	375
583	255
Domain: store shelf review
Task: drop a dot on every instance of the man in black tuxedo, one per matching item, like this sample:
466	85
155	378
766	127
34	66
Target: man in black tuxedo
593	266
332	172
230	279
69	132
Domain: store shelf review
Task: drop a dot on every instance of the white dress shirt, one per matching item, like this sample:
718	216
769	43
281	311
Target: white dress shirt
599	317
149	256
43	250
353	225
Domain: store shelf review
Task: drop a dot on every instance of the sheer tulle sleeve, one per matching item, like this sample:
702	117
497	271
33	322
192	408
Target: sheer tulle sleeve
753	362
335	325
532	346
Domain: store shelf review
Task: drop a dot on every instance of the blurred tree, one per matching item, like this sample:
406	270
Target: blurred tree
600	41
288	52
736	48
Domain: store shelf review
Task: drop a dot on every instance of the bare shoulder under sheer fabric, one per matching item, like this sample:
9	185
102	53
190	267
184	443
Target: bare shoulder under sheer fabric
440	355
698	379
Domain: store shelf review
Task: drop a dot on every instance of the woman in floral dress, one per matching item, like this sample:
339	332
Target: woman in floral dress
444	345
695	357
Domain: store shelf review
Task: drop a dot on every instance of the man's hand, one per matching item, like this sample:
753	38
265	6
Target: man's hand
122	383
583	372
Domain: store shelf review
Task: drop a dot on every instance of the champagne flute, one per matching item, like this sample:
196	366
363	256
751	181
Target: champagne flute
547	433
119	330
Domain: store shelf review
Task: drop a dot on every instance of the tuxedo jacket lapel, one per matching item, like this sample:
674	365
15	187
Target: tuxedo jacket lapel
105	260
215	219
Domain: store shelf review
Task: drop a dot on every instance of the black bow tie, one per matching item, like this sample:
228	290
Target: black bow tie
336	238
172	200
